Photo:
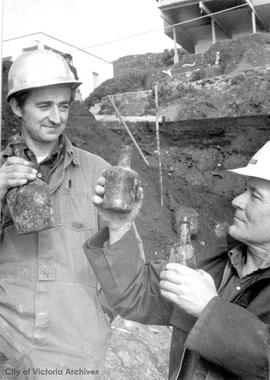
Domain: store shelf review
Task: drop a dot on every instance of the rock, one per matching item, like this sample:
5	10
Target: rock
137	352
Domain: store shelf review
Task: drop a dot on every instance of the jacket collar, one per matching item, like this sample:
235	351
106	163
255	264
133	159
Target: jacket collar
238	257
262	273
71	151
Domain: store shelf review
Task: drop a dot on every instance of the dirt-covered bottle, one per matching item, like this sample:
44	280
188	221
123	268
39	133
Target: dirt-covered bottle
182	252
121	183
30	205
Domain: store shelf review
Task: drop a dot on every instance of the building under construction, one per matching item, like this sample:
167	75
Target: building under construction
195	24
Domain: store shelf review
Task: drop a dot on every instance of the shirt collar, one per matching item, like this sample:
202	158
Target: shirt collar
70	150
238	257
57	152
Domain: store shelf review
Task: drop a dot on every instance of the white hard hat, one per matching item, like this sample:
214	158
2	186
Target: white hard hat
39	68
258	166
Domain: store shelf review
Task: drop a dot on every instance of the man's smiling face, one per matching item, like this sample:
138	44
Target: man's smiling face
251	223
44	113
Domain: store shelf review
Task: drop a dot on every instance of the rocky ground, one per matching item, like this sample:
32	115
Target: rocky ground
137	352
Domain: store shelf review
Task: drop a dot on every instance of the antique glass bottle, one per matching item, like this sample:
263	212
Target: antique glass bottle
121	183
182	252
30	205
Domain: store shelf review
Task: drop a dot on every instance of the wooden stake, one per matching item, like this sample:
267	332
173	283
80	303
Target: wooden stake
130	134
158	147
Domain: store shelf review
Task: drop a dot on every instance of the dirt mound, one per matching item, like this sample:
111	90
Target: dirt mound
236	94
241	53
238	85
200	86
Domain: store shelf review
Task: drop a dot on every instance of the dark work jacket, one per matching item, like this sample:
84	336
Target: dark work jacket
230	337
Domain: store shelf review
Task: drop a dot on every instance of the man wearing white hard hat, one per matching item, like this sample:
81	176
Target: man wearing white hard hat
51	322
220	312
258	165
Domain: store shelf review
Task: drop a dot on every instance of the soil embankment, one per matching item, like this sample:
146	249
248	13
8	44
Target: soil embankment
195	157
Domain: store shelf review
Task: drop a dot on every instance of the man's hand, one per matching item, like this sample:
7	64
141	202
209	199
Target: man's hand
189	289
118	222
15	172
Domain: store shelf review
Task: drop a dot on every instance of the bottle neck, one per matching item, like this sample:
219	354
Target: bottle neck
185	233
125	156
17	148
20	149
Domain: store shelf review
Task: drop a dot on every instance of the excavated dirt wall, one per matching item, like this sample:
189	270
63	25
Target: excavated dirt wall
211	146
195	155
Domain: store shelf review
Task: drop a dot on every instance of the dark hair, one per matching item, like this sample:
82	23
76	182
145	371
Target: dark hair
21	97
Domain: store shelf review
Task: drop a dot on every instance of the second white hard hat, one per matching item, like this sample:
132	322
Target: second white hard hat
258	166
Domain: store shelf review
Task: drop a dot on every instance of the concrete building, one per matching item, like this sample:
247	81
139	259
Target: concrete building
92	70
198	24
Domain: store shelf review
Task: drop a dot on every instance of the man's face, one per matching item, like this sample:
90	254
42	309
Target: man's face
45	112
251	223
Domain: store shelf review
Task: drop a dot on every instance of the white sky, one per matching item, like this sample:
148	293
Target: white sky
89	22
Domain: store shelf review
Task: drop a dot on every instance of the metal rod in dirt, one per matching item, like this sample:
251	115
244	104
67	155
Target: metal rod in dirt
158	147
130	134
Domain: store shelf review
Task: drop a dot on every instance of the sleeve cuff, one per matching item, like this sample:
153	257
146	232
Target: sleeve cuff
98	240
111	261
232	337
199	327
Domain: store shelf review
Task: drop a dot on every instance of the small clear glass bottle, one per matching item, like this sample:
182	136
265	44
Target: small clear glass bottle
30	205
121	183
182	252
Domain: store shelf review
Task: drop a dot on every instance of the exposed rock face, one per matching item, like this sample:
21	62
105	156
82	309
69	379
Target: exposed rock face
236	94
239	85
137	103
200	86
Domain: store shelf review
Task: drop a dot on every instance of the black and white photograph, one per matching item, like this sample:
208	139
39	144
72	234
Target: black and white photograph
135	190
